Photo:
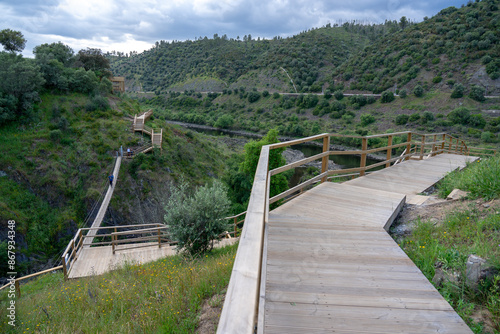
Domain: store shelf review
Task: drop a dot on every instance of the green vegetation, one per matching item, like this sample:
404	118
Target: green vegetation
447	244
198	219
481	179
165	296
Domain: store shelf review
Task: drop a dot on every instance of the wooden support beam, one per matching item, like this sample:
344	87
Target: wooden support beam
389	151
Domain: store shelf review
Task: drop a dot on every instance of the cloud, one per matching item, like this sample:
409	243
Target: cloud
126	25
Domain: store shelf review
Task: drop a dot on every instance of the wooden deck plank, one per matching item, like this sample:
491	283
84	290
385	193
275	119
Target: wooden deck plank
331	267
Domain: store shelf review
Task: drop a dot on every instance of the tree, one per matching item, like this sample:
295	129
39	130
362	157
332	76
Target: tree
458	91
387	97
94	60
477	93
195	220
12	41
279	182
59	51
418	91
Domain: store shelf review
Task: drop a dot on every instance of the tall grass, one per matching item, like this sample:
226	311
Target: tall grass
481	179
160	297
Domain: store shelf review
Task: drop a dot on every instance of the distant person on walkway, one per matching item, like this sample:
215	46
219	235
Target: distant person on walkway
111	177
129	152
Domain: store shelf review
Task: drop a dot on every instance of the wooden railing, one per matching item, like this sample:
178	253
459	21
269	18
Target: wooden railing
241	312
14	285
236	221
72	251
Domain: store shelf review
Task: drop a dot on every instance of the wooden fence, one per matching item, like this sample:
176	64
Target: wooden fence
241	306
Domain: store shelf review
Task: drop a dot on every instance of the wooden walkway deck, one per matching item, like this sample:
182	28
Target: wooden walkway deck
329	266
99	260
105	203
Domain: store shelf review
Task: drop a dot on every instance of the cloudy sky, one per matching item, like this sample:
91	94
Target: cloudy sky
125	25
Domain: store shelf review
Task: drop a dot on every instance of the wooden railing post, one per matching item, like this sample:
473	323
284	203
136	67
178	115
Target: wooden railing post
159	238
422	148
442	144
235	227
450	146
456	146
389	151
65	269
408	146
18	288
364	147
113	238
433	146
324	161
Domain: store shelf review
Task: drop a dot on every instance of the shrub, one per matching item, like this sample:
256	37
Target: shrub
338	95
458	91
477	93
276	95
414	117
253	97
225	121
437	79
428	116
459	115
55	135
403	93
367	119
401	119
418	91
195	220
387	97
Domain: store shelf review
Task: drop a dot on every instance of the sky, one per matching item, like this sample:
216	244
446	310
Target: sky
135	25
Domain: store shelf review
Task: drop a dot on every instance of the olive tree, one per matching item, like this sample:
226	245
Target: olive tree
196	219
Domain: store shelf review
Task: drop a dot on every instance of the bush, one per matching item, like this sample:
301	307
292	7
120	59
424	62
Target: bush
253	97
98	102
414	117
418	91
459	115
276	95
195	220
477	93
458	91
265	93
437	79
387	97
401	119
403	93
367	119
338	95
225	121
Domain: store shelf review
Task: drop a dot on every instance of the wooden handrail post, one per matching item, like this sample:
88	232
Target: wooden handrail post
159	238
456	146
442	144
408	146
422	148
235	227
389	151
113	238
364	147
433	146
324	161
65	269
450	146
18	288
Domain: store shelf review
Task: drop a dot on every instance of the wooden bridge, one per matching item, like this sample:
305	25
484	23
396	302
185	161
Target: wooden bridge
323	262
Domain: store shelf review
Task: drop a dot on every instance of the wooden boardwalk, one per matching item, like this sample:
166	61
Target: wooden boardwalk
99	260
329	266
105	203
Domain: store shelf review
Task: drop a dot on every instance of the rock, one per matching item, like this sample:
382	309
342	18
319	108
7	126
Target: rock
457	194
477	270
442	275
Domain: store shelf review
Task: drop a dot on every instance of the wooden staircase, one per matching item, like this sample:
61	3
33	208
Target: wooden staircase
156	137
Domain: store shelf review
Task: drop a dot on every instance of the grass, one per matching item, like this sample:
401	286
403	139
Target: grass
481	179
449	243
159	297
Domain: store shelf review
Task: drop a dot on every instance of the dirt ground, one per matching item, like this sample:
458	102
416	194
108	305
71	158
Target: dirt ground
210	314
